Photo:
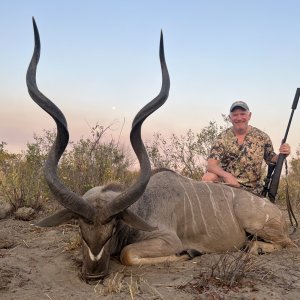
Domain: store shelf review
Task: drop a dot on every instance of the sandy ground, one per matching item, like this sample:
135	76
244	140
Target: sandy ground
44	263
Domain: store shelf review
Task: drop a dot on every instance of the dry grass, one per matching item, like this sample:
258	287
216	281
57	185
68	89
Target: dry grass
116	284
227	272
73	244
231	268
128	283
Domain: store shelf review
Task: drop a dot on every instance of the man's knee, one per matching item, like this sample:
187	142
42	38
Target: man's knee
210	177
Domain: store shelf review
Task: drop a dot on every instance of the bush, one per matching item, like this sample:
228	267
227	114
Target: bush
290	182
186	154
23	183
92	162
89	163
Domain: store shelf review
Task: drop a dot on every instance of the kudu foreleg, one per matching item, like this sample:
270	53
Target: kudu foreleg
153	251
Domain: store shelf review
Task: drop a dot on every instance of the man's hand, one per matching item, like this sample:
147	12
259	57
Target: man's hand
213	168
285	149
231	180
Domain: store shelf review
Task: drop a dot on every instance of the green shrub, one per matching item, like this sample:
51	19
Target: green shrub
92	162
89	163
23	183
187	153
290	182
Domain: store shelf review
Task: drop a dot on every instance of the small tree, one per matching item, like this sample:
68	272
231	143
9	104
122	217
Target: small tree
187	153
23	183
92	162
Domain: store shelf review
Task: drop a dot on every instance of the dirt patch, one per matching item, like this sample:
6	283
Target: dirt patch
38	263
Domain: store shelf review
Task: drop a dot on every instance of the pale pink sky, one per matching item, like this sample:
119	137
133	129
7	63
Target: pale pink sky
100	55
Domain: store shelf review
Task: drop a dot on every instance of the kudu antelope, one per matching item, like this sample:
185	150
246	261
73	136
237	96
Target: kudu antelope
189	217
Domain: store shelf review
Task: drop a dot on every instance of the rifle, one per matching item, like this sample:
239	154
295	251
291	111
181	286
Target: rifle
274	179
267	180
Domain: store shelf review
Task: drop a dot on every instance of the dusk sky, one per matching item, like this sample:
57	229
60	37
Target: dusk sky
99	63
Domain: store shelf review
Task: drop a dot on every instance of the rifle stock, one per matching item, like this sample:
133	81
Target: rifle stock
267	180
276	177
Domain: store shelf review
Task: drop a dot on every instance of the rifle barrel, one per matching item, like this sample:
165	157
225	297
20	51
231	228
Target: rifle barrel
296	99
294	106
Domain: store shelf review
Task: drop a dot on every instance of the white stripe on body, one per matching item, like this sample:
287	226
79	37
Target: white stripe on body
200	208
214	205
267	218
186	196
230	208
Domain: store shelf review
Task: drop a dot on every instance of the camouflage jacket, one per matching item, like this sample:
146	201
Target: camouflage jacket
244	161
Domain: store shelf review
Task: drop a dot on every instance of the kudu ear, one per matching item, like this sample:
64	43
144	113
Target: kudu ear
135	221
58	218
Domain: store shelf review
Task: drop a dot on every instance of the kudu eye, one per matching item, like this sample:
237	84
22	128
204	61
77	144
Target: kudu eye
89	222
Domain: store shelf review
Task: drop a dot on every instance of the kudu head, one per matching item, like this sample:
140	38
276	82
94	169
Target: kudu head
97	215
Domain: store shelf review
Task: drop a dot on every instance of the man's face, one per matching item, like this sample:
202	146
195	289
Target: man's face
240	119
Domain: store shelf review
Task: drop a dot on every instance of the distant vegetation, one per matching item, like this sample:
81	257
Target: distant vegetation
93	161
88	163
